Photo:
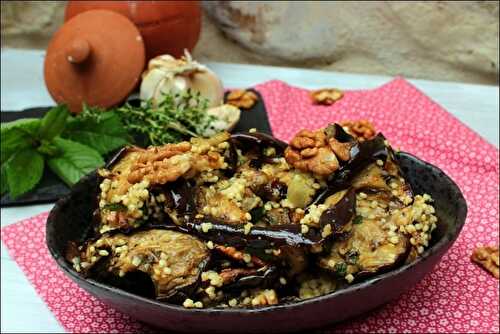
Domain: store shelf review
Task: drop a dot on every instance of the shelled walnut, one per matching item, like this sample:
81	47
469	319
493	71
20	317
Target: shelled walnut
313	151
240	98
487	257
327	96
361	129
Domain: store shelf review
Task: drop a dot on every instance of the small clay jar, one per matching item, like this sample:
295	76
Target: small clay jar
167	27
96	58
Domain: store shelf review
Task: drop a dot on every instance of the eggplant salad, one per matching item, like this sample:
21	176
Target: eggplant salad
246	220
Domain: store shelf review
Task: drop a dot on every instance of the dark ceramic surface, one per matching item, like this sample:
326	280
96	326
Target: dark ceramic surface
51	188
71	216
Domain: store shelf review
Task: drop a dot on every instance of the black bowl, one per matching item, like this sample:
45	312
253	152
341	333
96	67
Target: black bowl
70	218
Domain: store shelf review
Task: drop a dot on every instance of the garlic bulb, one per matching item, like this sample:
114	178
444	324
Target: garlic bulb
226	116
165	74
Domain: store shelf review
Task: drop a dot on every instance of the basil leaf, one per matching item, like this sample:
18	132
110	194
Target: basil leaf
75	161
17	135
23	171
53	122
104	133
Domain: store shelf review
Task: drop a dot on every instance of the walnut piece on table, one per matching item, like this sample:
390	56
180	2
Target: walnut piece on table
313	151
361	129
487	257
327	96
243	99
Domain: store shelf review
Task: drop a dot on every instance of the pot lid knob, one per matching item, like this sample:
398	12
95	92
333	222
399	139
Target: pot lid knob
78	51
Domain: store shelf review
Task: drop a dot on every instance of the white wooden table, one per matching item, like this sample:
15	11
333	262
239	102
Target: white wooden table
22	86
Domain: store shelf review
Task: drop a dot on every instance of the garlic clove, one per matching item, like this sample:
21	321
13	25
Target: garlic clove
150	83
226	118
169	85
209	86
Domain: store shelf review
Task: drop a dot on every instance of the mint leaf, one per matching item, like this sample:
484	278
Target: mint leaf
17	135
75	161
4	186
53	122
101	130
23	171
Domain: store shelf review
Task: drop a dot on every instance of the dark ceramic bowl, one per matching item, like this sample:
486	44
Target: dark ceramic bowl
69	220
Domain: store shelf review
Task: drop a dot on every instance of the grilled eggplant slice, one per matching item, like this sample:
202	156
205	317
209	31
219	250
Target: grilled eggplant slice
368	250
173	260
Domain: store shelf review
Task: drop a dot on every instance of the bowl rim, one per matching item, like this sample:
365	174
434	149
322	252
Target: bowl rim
441	244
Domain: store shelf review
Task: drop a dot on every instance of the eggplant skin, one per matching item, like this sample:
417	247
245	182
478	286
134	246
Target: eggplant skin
173	260
248	140
340	213
234	234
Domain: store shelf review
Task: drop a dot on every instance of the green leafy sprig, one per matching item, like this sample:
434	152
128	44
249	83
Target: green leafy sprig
71	146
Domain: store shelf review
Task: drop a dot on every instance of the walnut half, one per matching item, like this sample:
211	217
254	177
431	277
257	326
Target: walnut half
326	96
160	165
487	257
240	98
361	130
313	151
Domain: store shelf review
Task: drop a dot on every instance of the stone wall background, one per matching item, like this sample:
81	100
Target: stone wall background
439	40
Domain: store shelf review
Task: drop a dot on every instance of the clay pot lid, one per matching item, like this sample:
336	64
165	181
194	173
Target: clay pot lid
97	57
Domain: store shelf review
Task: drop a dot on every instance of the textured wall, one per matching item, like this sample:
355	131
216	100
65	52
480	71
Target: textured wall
435	39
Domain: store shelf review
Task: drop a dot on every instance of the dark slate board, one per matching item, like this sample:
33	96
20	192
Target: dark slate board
51	188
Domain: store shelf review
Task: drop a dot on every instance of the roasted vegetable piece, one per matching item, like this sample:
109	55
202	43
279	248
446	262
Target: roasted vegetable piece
218	231
272	191
173	260
262	278
248	140
368	250
341	213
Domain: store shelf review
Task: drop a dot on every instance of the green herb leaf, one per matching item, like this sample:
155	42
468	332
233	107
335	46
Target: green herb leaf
47	148
17	135
357	220
23	171
175	118
101	130
4	186
115	207
75	161
53	122
340	269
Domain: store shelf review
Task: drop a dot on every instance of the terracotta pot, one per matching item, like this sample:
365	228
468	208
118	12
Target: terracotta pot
167	27
96	58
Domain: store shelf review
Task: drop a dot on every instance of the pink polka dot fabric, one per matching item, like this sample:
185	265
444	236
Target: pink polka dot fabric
456	297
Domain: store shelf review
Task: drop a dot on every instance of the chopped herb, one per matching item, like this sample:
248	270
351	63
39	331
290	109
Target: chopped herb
340	269
115	207
357	220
